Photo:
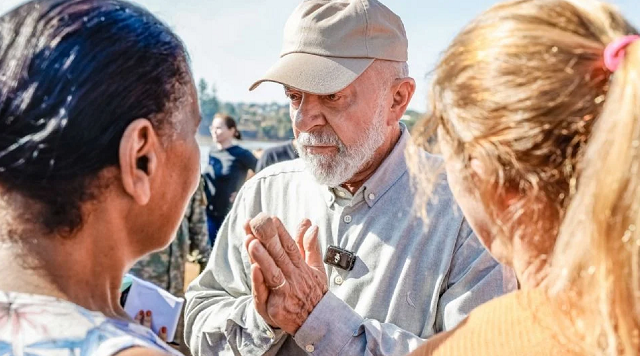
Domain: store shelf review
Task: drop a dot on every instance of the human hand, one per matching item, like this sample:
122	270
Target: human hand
145	318
288	276
259	291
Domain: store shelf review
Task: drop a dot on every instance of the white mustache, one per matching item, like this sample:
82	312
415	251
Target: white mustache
326	138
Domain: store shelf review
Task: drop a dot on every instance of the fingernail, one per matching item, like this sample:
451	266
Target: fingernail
140	313
148	312
163	329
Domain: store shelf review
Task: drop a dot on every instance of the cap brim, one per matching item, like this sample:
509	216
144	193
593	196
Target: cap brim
315	74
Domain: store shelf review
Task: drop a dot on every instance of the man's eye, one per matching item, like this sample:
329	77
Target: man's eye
333	97
293	96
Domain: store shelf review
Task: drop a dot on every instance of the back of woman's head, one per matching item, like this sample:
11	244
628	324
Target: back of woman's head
73	75
524	90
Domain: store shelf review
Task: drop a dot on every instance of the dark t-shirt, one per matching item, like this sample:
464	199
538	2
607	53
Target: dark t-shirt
276	154
226	173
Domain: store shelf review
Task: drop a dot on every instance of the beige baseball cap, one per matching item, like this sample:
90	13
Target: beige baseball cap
329	43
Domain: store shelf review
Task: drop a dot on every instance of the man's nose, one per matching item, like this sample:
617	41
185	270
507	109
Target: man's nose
309	113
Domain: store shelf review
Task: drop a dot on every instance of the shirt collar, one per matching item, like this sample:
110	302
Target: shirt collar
327	193
391	169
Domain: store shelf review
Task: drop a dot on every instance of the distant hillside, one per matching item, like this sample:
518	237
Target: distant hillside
257	121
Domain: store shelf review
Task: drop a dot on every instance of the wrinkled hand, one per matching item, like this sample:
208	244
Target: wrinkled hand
288	276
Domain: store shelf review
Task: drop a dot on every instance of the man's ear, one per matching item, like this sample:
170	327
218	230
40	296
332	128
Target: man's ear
139	159
403	90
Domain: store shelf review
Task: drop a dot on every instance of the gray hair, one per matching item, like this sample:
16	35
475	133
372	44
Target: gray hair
388	71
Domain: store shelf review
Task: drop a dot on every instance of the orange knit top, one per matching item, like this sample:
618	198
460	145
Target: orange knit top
523	323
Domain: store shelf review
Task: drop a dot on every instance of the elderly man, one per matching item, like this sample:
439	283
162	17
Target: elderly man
370	278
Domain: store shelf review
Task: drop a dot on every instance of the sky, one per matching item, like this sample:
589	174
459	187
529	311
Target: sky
232	43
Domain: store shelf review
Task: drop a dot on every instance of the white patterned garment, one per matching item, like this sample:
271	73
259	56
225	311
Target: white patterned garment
35	325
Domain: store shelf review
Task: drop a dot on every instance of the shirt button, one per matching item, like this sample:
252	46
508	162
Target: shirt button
372	196
347	218
338	280
270	334
310	348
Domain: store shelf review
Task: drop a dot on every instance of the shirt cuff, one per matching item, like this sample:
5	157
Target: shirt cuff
329	327
261	335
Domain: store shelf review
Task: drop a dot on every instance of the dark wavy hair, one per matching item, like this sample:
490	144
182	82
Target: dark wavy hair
73	75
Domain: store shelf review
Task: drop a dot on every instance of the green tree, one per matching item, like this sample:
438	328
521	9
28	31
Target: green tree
412	117
209	105
203	87
229	109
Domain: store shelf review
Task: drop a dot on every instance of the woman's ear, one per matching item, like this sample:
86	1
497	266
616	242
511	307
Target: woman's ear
138	156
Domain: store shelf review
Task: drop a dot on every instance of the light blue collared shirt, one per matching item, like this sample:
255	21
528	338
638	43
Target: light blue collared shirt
409	281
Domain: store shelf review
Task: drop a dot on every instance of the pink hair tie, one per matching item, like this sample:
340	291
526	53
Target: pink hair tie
615	51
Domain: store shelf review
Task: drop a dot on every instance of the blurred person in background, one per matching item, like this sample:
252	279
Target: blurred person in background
98	161
166	268
281	153
537	108
228	169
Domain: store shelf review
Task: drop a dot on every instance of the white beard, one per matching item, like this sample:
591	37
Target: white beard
333	170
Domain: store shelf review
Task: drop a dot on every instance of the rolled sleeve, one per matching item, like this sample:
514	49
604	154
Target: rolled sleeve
250	333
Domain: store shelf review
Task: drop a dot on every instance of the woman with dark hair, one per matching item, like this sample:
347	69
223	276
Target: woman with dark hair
228	168
98	160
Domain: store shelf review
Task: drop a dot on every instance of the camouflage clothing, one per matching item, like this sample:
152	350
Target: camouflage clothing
166	268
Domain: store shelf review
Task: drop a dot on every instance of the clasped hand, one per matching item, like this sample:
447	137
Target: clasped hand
287	275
